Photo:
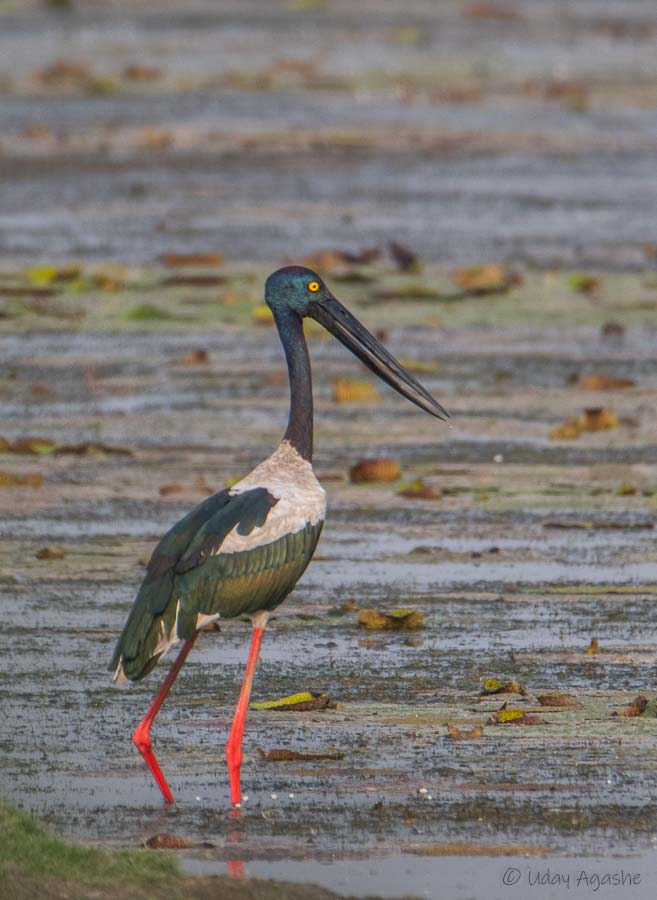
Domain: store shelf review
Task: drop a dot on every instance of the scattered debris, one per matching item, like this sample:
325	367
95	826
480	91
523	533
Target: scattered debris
418	490
168	842
594	648
595	418
589	526
492	278
92	448
298	755
304	701
627	489
50	553
9	479
405	259
556	698
459	734
196	358
612	329
596	382
508	716
167	489
141	72
397	620
584	284
29	445
371	470
636	708
494	686
354	390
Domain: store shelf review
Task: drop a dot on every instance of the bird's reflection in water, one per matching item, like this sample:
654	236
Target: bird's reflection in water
233	838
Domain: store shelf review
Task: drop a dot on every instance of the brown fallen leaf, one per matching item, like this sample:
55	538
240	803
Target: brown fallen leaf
196	358
494	686
168	842
50	553
306	701
326	262
9	479
168	489
557	699
373	470
491	278
594	648
458	734
612	329
397	620
597	382
298	755
636	708
405	259
62	70
140	72
418	490
180	260
354	390
595	418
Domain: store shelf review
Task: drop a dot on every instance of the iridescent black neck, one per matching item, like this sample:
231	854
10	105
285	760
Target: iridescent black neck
299	430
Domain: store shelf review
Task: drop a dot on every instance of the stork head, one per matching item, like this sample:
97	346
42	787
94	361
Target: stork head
302	291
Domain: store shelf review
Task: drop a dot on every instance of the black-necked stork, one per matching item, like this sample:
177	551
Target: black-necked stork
241	551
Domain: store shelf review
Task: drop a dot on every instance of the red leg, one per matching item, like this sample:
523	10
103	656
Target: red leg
234	743
142	736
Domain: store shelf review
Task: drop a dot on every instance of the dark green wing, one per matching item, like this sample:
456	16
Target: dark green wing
186	546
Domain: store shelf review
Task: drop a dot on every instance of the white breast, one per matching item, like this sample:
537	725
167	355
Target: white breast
301	499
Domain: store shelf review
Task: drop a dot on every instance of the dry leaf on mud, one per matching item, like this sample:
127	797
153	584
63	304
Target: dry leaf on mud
167	489
298	755
597	382
557	699
397	620
595	418
29	444
589	526
50	553
93	448
9	479
196	358
636	708
593	648
461	734
372	470
492	278
141	72
304	701
495	686
584	284
168	842
418	490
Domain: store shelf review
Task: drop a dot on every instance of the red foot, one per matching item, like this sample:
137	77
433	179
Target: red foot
142	740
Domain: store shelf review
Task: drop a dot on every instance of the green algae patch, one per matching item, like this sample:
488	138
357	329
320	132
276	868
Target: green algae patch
27	845
146	312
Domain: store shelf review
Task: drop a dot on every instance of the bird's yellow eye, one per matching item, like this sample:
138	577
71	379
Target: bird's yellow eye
313	286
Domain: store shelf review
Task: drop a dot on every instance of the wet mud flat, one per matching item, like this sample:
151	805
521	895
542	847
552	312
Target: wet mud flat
522	131
531	546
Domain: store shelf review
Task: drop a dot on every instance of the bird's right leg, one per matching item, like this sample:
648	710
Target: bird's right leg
142	733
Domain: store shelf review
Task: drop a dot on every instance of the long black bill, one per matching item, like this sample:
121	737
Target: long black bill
337	319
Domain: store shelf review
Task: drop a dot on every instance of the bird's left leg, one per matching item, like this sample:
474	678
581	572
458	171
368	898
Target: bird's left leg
142	733
234	743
